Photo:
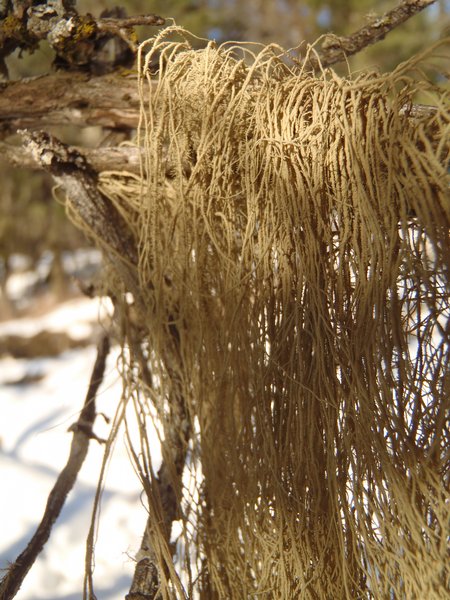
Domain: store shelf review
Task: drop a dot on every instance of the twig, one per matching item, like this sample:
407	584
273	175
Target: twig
336	48
121	27
82	433
106	22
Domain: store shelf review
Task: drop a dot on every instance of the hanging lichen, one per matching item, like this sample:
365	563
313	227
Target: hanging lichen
293	269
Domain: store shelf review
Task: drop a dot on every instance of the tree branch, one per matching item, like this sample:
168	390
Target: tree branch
113	100
78	179
119	158
69	99
82	433
336	49
74	99
121	26
166	486
70	169
78	40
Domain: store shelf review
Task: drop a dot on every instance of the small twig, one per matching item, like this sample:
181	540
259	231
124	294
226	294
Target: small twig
336	48
82	433
123	27
107	22
147	576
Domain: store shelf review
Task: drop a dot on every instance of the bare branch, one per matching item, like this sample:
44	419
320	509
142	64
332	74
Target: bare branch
107	22
120	158
69	99
335	48
78	179
82	433
120	27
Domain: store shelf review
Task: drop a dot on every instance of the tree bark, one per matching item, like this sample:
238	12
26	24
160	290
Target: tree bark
78	40
69	99
100	218
117	158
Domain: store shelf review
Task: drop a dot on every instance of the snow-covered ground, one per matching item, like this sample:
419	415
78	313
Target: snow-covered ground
34	445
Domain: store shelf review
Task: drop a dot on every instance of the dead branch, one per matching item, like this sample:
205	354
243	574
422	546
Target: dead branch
77	178
113	101
80	99
121	26
166	486
107	23
82	433
120	158
337	48
69	99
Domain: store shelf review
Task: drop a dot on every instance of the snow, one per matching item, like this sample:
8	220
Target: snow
34	445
